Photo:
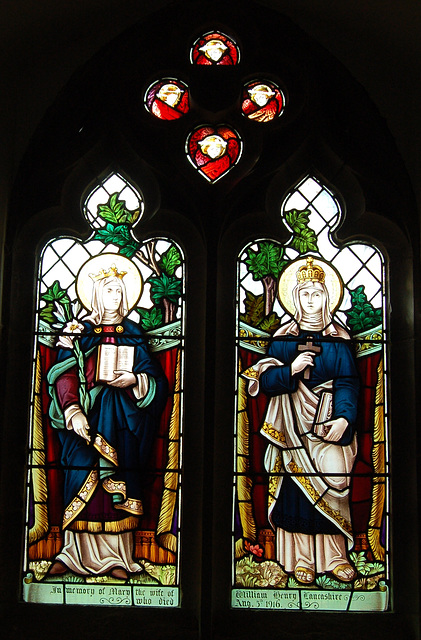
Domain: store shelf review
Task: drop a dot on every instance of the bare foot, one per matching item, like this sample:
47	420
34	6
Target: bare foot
304	575
344	572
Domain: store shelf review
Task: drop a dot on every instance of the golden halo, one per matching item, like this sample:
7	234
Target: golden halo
132	280
288	280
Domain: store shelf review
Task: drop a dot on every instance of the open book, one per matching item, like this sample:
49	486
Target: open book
113	358
323	414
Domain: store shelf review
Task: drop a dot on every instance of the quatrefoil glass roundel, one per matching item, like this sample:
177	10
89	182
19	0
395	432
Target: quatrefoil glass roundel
214	151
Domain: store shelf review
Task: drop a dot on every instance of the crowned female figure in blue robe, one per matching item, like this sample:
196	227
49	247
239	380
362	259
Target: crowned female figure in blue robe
106	435
310	377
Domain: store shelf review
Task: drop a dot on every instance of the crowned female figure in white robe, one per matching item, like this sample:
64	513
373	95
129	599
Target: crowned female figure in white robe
310	426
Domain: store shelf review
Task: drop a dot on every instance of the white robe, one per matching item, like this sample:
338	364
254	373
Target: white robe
294	448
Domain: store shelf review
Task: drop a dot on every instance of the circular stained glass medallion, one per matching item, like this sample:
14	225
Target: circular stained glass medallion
262	101
167	99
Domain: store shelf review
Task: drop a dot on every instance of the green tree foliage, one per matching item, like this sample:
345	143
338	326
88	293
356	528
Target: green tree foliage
164	286
120	236
362	315
150	318
265	264
255	307
266	261
304	239
255	314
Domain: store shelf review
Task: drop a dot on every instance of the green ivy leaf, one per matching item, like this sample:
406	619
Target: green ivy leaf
115	211
170	260
304	239
297	220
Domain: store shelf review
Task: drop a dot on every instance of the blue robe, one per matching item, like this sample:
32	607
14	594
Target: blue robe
293	510
124	424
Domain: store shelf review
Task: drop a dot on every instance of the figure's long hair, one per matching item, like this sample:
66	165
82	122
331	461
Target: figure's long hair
98	311
300	316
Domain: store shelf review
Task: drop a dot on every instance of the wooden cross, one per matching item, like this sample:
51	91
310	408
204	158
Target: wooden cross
309	346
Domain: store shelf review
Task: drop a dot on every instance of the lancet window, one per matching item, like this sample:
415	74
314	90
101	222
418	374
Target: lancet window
104	466
311	507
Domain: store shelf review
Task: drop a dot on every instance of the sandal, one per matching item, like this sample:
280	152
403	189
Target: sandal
342	568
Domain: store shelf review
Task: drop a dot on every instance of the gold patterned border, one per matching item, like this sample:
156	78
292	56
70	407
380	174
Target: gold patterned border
269	430
251	373
253	339
105	449
111	486
132	505
274	479
79	502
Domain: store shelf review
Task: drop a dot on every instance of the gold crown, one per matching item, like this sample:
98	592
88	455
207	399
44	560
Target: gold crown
112	272
311	272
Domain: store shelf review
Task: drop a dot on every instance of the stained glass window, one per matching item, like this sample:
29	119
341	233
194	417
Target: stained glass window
262	101
167	99
311	482
215	48
214	151
104	476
